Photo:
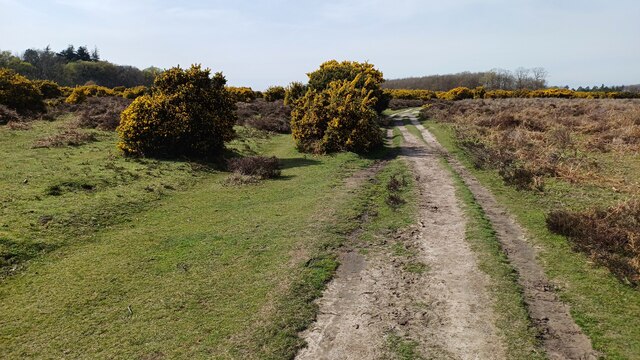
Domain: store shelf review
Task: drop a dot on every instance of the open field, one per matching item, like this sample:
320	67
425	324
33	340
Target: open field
125	258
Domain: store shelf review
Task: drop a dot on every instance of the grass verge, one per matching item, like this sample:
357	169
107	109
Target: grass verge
607	310
200	270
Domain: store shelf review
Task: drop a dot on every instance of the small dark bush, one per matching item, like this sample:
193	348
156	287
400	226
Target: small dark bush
260	167
7	115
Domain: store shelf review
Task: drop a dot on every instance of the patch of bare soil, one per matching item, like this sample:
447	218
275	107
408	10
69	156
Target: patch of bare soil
562	338
445	307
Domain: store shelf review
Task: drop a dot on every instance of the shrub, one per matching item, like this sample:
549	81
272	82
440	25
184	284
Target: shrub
7	115
368	78
479	92
340	118
274	93
293	92
459	93
48	89
188	113
499	94
260	167
134	92
241	94
19	94
77	96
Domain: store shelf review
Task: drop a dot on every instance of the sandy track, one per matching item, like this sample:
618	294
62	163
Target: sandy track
562	338
446	310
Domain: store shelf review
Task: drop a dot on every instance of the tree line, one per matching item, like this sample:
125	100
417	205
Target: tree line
521	78
71	67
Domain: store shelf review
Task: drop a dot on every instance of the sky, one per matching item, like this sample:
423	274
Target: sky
262	43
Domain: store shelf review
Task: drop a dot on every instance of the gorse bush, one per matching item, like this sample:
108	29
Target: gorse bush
459	93
274	93
19	93
132	93
48	89
338	118
241	94
189	113
368	78
293	92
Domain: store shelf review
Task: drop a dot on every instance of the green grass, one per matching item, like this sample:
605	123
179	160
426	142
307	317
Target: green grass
384	219
403	348
160	258
512	318
607	310
397	137
413	130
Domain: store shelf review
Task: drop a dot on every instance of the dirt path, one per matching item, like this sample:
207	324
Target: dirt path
562	338
446	310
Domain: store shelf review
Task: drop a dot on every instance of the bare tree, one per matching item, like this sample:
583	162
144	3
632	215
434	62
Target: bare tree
522	78
539	77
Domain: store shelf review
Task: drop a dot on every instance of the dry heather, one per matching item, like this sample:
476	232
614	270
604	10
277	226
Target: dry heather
101	112
68	137
591	144
610	236
272	116
529	139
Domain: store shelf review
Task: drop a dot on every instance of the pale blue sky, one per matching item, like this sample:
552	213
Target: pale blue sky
261	43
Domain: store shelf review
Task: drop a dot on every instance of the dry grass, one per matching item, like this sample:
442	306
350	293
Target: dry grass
68	137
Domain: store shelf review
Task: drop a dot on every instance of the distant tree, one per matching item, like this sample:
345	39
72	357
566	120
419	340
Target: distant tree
539	77
95	55
522	78
83	54
9	61
69	54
